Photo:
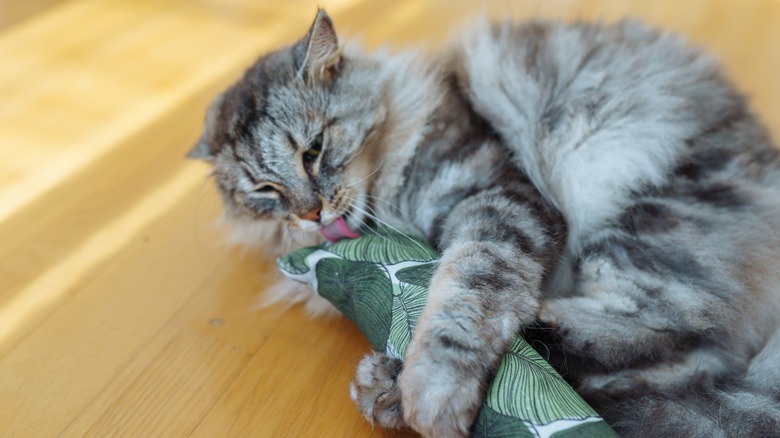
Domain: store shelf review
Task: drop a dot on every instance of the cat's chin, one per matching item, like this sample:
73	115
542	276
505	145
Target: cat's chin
273	238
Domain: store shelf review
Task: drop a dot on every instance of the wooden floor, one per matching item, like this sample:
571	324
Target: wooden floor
121	312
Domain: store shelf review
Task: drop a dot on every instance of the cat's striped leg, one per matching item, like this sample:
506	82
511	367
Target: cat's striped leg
628	314
485	288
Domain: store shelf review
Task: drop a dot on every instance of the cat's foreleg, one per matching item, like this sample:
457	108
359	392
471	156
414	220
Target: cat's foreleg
485	288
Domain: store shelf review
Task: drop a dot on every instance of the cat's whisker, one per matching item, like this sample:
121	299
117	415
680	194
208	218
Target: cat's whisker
295	236
376	233
290	239
374	217
357	202
372	199
353	201
388	203
395	136
369	206
367	176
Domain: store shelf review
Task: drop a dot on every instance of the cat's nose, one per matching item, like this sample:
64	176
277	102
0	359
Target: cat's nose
313	215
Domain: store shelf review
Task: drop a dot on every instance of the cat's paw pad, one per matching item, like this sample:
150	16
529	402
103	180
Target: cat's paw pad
375	390
439	401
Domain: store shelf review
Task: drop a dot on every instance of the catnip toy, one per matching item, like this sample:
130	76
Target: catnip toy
380	282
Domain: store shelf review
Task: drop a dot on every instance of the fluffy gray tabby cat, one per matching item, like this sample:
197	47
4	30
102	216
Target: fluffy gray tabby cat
602	186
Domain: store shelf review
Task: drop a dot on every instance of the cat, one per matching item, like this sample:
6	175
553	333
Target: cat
602	187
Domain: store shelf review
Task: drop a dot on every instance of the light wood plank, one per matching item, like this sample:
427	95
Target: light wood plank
145	132
63	364
14	12
296	385
212	336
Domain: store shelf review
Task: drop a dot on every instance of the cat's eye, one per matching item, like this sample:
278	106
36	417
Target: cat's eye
315	148
266	190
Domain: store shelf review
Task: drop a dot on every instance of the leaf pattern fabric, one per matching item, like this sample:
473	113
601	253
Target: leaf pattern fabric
523	370
362	292
380	282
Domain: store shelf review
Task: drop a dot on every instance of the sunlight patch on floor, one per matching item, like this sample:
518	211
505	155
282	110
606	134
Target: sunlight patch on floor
58	280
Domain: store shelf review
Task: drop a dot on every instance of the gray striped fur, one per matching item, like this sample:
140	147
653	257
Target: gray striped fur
603	187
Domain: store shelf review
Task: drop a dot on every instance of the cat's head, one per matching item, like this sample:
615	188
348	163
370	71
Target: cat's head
298	138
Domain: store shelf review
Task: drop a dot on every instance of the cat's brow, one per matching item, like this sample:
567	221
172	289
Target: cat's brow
254	170
293	144
270	117
249	170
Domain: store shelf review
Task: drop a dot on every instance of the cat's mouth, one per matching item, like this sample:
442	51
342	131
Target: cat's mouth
339	229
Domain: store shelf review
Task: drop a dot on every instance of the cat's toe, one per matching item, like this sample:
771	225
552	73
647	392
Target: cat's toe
439	401
375	390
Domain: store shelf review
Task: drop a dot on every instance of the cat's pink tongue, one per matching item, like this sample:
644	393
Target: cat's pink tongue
338	230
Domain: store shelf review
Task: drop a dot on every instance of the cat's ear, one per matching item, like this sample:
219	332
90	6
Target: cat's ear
203	149
318	53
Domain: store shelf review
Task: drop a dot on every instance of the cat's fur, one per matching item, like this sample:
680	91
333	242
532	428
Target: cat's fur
603	187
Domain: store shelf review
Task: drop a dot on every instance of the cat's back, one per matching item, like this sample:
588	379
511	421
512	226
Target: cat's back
595	113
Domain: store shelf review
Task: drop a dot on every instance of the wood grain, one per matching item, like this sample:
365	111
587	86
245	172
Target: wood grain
121	312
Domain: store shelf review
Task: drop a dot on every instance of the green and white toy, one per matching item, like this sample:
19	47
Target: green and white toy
380	282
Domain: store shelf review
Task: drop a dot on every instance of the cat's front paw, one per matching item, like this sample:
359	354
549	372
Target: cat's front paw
375	390
440	400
